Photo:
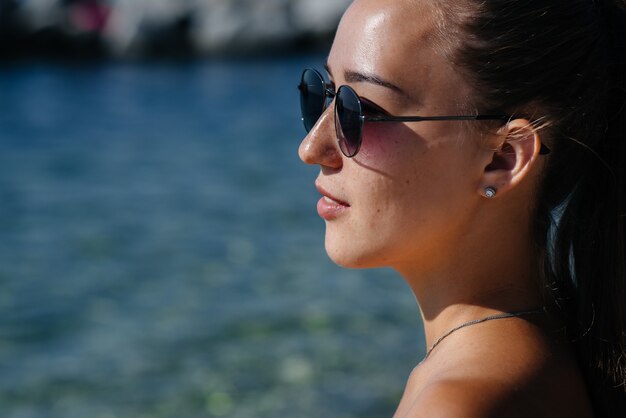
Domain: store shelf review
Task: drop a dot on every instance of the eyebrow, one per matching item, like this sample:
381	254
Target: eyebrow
358	77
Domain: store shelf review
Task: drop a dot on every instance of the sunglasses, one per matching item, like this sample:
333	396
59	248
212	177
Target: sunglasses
352	111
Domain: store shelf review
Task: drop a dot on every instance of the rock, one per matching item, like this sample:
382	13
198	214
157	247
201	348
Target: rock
224	26
318	16
171	27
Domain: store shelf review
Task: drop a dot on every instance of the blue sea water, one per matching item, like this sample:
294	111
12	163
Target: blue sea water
161	255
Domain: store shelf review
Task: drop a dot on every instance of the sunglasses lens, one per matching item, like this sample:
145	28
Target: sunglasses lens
312	97
348	121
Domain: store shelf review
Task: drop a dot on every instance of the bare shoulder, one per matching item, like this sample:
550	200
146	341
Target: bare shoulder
461	398
529	376
480	398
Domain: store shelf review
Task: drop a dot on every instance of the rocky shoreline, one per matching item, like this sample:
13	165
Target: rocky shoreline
146	28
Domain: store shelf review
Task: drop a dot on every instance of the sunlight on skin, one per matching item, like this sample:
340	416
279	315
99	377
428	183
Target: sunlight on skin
414	196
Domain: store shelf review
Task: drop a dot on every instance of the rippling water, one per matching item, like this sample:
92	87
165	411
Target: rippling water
161	256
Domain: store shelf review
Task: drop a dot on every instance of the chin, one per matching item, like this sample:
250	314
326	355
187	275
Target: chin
352	257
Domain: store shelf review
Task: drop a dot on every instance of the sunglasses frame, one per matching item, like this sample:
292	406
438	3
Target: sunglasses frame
330	94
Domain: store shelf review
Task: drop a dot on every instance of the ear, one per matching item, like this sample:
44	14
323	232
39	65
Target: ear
517	147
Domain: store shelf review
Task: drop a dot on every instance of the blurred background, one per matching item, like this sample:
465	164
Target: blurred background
160	250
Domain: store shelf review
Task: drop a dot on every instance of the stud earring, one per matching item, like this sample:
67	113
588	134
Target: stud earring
490	192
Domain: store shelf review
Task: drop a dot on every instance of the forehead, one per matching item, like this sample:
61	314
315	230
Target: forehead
396	39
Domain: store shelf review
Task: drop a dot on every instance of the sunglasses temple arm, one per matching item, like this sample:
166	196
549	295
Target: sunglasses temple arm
432	118
543	150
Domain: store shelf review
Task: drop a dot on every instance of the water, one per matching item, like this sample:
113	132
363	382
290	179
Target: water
161	256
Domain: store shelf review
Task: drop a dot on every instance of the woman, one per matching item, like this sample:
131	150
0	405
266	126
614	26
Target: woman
477	147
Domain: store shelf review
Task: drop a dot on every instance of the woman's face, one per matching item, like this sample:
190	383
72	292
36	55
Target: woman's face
412	189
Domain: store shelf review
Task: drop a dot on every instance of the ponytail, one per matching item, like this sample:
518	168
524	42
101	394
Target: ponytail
565	61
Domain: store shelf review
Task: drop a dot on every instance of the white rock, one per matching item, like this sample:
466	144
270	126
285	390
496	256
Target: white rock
318	16
217	24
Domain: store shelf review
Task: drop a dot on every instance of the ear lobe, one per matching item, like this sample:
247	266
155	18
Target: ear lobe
514	157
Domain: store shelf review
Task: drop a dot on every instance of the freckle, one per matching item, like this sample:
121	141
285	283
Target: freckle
408	182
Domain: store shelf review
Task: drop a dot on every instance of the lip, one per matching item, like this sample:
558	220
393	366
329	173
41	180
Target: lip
330	207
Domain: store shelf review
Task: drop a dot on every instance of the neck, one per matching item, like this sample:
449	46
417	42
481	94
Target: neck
471	281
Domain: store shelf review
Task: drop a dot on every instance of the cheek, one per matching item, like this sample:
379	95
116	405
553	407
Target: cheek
385	144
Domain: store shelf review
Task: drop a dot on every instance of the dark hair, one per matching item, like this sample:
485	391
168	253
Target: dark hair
562	63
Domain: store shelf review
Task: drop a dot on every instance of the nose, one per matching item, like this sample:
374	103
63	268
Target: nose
320	145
